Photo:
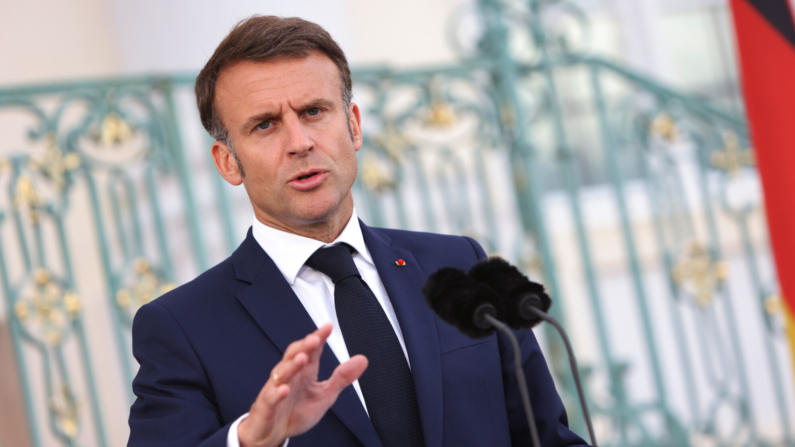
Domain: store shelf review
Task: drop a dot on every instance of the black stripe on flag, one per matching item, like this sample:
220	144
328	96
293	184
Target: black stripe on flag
777	12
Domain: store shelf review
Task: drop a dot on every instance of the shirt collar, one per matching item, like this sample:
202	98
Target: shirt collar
290	251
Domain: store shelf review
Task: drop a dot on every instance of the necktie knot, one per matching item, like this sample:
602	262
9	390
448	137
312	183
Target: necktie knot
336	262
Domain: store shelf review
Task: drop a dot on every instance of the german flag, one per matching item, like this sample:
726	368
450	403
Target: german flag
766	46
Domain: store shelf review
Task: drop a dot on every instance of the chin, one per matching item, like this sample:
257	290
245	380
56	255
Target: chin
315	213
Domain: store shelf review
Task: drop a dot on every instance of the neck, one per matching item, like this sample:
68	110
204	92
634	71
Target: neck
326	230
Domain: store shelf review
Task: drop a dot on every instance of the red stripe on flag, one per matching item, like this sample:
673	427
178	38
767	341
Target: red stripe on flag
768	75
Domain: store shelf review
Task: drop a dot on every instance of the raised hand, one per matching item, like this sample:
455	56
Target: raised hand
292	400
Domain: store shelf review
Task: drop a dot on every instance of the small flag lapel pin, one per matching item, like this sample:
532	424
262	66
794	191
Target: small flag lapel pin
400	263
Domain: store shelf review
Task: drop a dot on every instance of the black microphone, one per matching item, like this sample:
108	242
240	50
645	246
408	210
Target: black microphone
462	302
526	304
517	292
473	308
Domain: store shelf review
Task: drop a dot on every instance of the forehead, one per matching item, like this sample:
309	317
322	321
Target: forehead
289	78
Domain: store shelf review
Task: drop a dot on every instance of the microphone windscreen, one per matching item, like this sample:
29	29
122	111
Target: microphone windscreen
512	286
454	296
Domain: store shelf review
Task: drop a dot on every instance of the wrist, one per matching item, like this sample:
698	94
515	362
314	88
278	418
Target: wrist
246	440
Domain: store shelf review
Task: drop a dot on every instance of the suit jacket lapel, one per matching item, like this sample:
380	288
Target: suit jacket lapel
277	311
403	284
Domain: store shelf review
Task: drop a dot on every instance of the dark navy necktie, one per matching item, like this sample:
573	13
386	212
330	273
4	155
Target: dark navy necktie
387	385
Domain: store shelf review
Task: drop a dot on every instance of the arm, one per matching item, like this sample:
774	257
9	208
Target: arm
175	404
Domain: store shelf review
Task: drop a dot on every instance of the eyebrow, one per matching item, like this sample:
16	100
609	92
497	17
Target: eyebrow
268	116
256	119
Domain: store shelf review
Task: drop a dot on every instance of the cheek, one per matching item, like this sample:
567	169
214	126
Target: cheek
350	166
354	165
263	161
262	175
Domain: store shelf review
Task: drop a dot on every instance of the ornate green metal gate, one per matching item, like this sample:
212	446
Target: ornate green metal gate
659	264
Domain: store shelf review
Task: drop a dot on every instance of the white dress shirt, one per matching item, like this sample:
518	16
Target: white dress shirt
315	290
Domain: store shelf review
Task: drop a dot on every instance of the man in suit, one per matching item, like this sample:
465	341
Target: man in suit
315	311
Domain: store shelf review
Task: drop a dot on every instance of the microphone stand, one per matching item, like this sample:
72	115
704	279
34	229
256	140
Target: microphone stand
520	378
573	362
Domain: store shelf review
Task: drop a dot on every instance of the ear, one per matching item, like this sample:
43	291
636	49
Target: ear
356	125
226	164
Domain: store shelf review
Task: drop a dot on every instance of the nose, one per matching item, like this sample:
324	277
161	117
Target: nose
298	141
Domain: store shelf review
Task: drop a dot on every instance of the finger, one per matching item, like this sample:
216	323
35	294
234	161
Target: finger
275	396
314	355
317	350
264	408
275	391
346	373
321	334
309	343
324	331
281	374
296	356
263	411
285	370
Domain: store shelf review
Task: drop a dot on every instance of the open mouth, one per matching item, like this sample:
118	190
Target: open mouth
304	177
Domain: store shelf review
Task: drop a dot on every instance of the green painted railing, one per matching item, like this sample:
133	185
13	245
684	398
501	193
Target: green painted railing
662	271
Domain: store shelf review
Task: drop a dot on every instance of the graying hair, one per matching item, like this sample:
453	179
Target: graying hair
263	38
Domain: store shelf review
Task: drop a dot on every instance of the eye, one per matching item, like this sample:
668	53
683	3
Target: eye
313	111
264	125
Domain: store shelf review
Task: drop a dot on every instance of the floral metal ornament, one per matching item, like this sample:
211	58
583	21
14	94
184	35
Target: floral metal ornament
146	287
775	314
732	158
440	115
698	274
55	164
393	142
663	126
774	305
26	196
376	174
46	308
65	411
114	130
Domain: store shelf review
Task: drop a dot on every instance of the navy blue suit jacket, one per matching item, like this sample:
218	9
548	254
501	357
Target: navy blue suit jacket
207	348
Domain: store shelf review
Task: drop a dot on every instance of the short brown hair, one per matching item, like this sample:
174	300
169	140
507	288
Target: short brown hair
263	38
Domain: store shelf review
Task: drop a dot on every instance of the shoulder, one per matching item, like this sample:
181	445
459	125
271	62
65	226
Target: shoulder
207	294
432	241
433	250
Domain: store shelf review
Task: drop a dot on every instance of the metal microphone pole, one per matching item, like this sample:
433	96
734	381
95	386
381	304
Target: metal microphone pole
574	370
520	378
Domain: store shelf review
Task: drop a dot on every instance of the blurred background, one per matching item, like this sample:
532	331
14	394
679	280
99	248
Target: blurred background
599	144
